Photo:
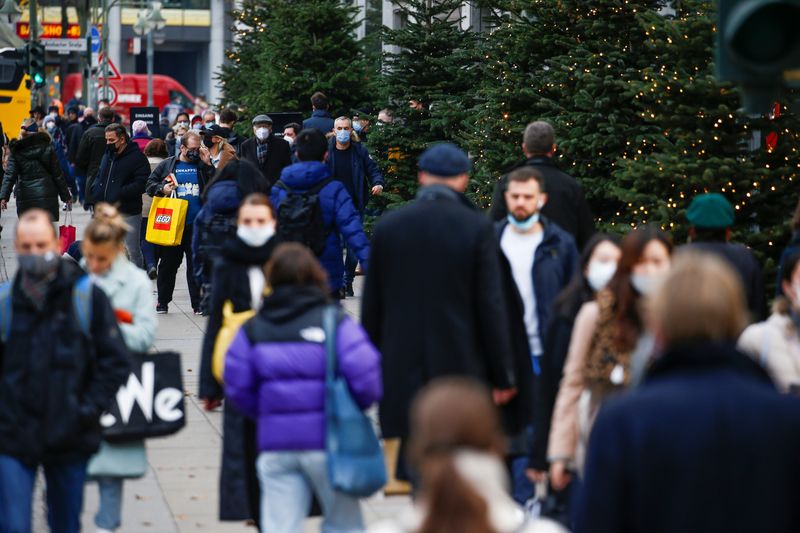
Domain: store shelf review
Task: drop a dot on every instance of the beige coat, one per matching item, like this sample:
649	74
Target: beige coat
776	345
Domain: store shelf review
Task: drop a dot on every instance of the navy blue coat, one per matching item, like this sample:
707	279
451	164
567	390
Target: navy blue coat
555	262
321	120
791	248
223	198
365	172
338	213
706	444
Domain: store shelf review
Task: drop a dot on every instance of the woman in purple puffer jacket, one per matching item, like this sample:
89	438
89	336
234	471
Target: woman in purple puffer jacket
275	373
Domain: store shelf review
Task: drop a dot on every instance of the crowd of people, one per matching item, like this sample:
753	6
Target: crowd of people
537	374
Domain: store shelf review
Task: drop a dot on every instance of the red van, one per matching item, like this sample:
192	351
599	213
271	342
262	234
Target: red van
131	91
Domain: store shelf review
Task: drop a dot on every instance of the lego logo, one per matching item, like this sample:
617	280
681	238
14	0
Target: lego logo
163	220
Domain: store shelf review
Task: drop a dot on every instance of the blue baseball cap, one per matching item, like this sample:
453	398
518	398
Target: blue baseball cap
445	160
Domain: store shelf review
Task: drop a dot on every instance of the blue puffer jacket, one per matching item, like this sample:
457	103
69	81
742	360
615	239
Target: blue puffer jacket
365	172
338	213
223	199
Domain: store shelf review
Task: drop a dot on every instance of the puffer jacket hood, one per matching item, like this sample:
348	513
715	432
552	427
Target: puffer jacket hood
32	146
305	174
223	197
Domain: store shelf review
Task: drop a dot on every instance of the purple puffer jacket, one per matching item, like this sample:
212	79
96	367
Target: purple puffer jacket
275	369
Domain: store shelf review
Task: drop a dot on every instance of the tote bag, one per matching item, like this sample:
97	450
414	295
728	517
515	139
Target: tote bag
66	232
231	324
355	459
166	220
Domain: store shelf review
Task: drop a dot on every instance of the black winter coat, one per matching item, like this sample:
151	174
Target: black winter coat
55	382
705	444
34	169
74	134
566	204
122	178
279	156
433	301
90	152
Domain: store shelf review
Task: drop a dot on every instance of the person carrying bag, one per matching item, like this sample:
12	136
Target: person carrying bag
276	372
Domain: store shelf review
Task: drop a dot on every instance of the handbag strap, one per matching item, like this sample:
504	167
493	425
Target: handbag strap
329	326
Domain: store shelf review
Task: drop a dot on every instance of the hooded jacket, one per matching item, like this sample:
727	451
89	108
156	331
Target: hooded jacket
122	178
34	168
338	213
275	369
54	381
215	222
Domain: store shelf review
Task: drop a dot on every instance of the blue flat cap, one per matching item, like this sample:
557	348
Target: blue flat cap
710	211
444	160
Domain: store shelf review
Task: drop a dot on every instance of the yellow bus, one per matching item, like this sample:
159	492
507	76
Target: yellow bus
15	97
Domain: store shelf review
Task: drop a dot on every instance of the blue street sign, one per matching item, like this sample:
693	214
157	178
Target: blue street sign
95	33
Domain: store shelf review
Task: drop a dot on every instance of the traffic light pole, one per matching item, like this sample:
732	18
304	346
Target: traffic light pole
33	36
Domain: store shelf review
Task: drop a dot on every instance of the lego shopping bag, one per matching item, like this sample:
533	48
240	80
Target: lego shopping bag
166	221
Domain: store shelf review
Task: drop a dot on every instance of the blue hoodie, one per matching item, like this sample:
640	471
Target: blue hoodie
338	213
223	198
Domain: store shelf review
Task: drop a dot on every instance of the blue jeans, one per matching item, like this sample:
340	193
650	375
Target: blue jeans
109	514
287	479
64	495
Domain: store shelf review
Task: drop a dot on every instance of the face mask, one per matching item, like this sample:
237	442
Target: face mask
209	124
208	143
111	148
193	156
645	284
183	123
343	136
263	133
38	267
600	273
524	225
357	126
51	126
289	140
197	126
255	236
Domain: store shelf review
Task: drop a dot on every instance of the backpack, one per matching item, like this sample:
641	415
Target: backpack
81	305
212	235
300	217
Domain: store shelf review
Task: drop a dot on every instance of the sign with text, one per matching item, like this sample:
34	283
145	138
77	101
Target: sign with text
65	46
148	115
50	30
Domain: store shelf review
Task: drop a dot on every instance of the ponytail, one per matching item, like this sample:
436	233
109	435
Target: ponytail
107	226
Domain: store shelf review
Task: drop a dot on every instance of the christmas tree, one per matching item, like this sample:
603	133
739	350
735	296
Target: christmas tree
285	51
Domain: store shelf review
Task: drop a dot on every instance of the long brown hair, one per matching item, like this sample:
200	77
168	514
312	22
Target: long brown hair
627	318
294	264
450	415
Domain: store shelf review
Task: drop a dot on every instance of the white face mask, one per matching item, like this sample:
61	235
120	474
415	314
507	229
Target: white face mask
646	284
255	236
600	273
289	140
263	133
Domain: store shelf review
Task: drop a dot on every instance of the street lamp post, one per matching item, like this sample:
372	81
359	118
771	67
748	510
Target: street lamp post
33	36
150	20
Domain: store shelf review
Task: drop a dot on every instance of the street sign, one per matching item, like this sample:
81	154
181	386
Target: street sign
50	30
107	93
150	116
113	72
65	46
95	35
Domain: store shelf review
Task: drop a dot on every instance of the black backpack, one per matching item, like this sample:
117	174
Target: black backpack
300	217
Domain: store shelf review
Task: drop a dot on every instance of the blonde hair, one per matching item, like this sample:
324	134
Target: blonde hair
702	299
107	226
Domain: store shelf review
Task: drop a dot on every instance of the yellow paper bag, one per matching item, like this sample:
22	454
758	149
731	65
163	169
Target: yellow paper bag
166	221
231	323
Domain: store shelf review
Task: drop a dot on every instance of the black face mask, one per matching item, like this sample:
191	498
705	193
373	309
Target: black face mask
208	142
111	149
193	156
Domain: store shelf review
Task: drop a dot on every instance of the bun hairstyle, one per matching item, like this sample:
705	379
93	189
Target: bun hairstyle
107	226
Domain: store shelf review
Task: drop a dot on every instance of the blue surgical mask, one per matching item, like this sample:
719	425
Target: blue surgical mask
343	136
357	127
524	225
209	124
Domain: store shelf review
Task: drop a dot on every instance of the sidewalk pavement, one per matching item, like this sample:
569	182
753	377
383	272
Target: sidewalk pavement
180	491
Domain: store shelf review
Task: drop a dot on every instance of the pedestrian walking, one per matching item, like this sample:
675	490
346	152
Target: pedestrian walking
215	138
121	180
711	216
75	131
566	204
239	284
92	149
599	361
275	373
187	177
268	152
59	145
437	249
457	446
174	138
669	456
320	118
141	134
775	343
598	264
215	224
541	258
155	152
791	248
63	361
34	174
318	210
131	296
228	119
350	163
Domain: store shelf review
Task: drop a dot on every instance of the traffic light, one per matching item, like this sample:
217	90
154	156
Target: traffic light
37	64
758	43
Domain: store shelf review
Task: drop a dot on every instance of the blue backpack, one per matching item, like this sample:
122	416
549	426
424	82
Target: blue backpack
81	305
